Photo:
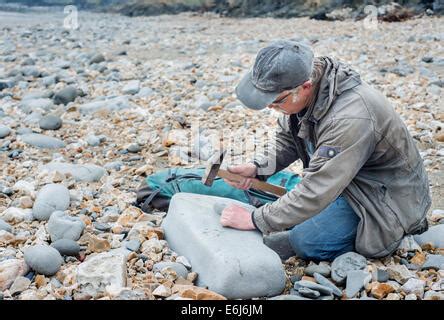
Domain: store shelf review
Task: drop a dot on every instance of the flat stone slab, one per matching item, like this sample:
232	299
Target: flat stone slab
42	141
80	172
233	263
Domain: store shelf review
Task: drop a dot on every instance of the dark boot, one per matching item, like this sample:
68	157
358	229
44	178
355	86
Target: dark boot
280	242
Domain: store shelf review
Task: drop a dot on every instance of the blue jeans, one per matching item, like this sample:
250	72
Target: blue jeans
327	235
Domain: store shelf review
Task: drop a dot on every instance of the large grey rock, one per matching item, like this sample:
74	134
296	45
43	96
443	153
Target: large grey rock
111	104
103	269
81	172
233	263
4	131
52	197
435	236
63	226
433	261
356	280
344	263
42	141
43	259
66	247
327	283
180	269
66	95
50	122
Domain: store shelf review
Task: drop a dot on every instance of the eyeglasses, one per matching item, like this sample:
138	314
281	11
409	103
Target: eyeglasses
277	104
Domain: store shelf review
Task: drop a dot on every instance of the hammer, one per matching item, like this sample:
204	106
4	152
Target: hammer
214	170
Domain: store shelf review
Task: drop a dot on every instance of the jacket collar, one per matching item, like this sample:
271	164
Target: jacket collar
338	77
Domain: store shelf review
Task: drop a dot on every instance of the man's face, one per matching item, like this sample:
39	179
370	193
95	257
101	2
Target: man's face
291	102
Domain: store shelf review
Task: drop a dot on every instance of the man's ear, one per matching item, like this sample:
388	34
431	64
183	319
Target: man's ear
307	85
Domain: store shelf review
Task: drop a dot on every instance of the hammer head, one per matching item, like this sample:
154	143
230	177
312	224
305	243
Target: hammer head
213	167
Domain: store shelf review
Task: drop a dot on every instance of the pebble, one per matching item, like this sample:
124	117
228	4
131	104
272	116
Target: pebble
5	226
50	122
322	269
180	270
309	293
435	236
133	245
20	284
314	286
93	141
415	286
4	131
356	280
434	261
66	95
132	87
80	172
97	58
134	148
66	247
327	283
63	226
10	269
43	259
42	141
344	263
52	197
382	275
399	273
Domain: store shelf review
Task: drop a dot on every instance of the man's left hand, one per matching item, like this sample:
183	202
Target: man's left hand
237	217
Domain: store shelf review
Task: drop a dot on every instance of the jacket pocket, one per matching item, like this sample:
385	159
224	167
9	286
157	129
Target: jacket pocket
389	208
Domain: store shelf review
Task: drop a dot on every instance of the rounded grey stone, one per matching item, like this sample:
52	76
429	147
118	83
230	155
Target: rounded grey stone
435	236
50	122
321	269
42	141
52	197
134	148
66	95
97	58
63	226
43	259
4	131
66	247
93	141
344	263
180	269
309	293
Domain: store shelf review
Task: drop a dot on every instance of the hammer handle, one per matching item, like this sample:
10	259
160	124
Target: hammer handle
257	184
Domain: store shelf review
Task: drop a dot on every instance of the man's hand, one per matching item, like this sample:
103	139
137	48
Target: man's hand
237	217
248	170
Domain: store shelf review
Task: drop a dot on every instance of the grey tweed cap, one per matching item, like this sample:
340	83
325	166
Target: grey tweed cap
282	65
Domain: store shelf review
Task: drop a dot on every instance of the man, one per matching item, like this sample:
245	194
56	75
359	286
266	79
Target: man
364	185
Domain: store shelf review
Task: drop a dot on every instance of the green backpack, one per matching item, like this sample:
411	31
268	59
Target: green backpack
158	188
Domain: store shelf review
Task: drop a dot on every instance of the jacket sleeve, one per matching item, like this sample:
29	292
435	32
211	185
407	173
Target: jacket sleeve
279	154
343	147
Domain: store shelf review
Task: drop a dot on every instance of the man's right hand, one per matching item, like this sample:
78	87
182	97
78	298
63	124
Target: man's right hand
248	170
